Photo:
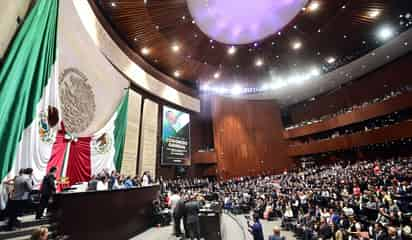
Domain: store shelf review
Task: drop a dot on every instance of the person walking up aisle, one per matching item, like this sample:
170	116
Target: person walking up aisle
23	185
48	188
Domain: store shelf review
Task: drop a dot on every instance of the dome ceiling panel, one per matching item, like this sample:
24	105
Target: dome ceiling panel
164	33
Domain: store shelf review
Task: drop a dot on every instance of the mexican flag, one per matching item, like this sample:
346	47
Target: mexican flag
77	158
29	94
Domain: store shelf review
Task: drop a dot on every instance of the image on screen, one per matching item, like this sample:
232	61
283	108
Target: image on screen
175	137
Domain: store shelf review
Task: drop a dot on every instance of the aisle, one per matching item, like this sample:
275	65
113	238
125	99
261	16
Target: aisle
267	228
230	230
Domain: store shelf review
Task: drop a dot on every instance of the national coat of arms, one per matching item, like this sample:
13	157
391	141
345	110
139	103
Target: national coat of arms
77	100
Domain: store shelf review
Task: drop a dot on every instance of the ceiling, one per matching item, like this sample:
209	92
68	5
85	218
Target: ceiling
324	35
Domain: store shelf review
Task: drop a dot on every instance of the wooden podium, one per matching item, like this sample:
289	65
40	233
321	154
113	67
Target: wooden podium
117	214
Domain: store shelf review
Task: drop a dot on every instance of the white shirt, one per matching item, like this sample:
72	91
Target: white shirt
145	181
173	201
102	186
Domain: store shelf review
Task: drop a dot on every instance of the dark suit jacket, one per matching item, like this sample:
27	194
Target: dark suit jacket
192	211
381	236
179	209
48	187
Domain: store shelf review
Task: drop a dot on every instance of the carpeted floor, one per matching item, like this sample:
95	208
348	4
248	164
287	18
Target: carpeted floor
233	227
267	228
230	230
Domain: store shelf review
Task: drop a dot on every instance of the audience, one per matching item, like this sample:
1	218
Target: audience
390	95
359	200
364	126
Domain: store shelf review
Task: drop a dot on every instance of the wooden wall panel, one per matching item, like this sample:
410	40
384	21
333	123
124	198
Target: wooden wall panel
149	138
129	163
375	84
371	111
204	157
248	137
394	132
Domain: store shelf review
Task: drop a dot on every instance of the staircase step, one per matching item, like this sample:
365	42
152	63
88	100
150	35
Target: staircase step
20	238
20	232
28	221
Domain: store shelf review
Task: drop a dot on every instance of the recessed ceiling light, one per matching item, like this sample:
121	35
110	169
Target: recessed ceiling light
344	6
330	60
145	51
315	71
175	48
405	43
236	90
113	4
296	45
216	75
231	50
259	62
385	33
176	73
313	6
374	13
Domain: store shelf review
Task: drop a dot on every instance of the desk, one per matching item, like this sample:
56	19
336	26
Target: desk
117	214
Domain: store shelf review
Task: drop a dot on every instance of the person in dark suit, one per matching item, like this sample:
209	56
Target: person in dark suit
255	228
48	188
178	214
192	208
325	231
380	232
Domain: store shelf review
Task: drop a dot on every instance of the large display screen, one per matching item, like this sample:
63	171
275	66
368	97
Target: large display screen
175	137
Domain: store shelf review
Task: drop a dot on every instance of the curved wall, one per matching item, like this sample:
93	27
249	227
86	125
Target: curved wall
128	67
78	51
9	12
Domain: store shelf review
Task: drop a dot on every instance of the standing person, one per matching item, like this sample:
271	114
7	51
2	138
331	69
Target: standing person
178	214
48	188
276	234
255	228
192	208
173	201
145	179
23	185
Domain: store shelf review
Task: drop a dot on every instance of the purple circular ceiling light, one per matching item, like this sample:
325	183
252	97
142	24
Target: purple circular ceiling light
243	21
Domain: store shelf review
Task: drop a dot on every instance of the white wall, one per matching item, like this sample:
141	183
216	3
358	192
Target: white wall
134	72
129	164
9	11
77	50
148	146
